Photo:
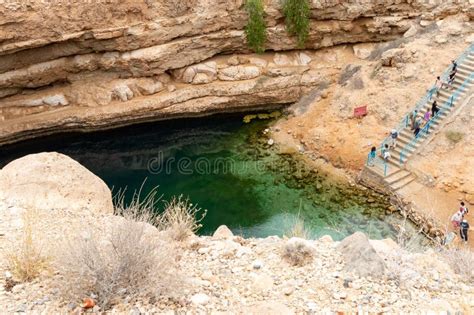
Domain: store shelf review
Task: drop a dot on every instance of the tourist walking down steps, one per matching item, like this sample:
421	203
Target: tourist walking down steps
434	109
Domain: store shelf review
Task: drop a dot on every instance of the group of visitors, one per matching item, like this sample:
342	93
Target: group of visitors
460	222
385	149
416	124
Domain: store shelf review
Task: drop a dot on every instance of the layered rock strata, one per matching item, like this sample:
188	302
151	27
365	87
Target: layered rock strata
93	65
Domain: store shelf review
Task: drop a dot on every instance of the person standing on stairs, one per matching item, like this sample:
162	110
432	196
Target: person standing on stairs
372	155
426	119
434	109
464	230
417	127
386	153
413	119
393	138
427	116
437	86
455	65
452	77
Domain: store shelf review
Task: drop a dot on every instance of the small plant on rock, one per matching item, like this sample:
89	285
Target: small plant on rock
180	218
297	13
255	30
297	252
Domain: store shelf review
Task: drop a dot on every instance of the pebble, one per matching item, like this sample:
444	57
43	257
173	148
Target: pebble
257	264
288	290
203	250
340	295
200	299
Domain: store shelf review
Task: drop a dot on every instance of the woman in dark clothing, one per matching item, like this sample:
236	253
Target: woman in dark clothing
417	128
434	109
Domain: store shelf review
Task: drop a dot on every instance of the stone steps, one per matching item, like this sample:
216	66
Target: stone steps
397	176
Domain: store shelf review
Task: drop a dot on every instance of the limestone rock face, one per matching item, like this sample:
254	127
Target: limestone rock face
360	257
236	73
76	57
51	180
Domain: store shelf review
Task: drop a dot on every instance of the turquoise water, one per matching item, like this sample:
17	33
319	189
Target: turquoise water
224	166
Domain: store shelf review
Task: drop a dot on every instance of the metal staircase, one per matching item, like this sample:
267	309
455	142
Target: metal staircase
393	171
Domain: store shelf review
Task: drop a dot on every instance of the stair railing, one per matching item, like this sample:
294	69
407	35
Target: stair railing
428	95
426	129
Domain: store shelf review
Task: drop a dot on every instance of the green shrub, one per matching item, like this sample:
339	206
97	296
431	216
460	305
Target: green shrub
297	14
255	29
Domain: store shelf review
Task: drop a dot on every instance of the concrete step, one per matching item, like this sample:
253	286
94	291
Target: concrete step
461	76
407	152
465	70
403	182
446	92
468	62
397	176
394	161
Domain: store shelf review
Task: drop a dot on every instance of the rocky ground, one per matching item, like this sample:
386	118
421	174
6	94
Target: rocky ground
229	274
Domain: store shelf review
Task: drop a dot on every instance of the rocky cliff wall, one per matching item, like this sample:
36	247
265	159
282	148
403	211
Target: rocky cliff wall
88	65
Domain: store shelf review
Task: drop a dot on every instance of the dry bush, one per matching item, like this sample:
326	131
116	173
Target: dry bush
139	209
461	260
26	260
180	218
118	264
297	252
297	228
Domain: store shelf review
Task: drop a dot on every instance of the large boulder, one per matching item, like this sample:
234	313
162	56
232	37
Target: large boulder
360	257
52	180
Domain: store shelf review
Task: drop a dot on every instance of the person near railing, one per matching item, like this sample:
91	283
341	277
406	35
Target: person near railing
372	154
452	77
417	127
413	115
454	65
393	138
437	86
434	109
426	119
386	152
